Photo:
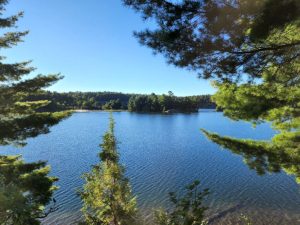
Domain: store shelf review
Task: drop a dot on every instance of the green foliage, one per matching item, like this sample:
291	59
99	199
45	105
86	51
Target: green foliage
112	100
251	49
164	103
144	103
107	197
286	12
25	188
268	101
219	39
188	210
19	118
276	99
262	156
16	129
112	104
79	100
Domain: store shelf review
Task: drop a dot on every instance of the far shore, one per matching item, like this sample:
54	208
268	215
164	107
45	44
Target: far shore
124	110
98	110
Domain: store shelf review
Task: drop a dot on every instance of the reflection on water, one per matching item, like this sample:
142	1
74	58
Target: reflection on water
163	153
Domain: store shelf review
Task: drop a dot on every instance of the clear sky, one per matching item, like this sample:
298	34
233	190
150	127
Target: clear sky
90	42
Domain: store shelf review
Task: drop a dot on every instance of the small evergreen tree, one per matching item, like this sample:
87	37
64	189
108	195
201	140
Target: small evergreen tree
188	210
107	197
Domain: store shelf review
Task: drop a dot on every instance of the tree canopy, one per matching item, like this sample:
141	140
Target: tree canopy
166	103
222	39
112	104
19	118
251	51
115	100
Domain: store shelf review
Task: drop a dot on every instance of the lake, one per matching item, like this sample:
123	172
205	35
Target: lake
164	153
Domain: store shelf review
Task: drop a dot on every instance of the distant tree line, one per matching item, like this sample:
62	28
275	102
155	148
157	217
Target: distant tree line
168	103
120	101
82	100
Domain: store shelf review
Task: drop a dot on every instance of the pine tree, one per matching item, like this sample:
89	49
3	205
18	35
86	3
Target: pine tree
25	188
251	51
20	119
107	197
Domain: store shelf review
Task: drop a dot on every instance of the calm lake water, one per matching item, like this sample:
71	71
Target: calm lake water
163	153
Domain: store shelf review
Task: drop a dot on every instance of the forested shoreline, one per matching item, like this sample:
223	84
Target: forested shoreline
121	101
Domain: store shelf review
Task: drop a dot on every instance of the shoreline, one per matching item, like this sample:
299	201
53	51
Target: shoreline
97	110
123	110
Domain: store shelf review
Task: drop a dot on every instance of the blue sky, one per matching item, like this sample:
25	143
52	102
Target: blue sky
90	42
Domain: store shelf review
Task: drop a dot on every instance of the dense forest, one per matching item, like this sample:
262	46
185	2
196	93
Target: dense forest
120	101
168	103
